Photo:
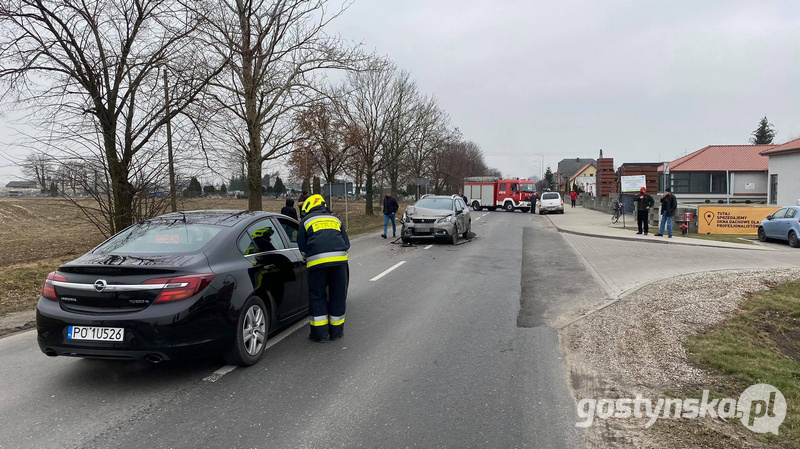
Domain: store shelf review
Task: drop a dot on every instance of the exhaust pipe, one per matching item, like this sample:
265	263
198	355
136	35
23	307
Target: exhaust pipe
154	358
50	353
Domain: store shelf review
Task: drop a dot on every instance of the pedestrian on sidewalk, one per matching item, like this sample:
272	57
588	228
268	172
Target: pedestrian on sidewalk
390	208
574	197
324	244
289	209
643	204
669	204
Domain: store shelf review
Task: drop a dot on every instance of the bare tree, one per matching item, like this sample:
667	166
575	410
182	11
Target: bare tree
39	167
368	105
278	47
100	61
431	134
403	128
323	139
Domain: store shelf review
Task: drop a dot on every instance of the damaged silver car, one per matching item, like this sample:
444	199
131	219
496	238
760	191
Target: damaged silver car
436	217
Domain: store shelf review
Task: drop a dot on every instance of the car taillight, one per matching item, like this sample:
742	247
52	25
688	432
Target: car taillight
181	287
48	289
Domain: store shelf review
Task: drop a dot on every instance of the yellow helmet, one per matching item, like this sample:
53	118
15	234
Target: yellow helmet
312	202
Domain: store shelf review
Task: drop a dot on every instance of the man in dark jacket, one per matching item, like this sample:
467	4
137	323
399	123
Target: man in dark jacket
668	207
289	209
390	208
323	242
643	204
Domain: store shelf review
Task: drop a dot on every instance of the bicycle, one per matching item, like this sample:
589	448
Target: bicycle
618	209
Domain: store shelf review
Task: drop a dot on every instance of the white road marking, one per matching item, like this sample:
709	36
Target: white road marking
217	375
387	271
428	247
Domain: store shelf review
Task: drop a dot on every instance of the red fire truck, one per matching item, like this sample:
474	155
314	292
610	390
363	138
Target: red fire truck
491	193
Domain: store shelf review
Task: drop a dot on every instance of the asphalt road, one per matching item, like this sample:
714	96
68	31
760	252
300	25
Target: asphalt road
454	348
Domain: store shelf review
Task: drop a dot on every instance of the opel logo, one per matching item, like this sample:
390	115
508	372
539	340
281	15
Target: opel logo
100	285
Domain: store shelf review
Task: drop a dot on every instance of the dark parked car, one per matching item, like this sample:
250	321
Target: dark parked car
178	286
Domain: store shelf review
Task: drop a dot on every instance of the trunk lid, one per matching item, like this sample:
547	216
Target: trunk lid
111	283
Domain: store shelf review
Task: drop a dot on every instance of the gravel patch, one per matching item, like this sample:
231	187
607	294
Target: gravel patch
636	345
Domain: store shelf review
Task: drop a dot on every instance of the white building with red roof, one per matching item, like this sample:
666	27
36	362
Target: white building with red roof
784	173
719	172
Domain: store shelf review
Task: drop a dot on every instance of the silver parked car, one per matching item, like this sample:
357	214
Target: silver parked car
436	217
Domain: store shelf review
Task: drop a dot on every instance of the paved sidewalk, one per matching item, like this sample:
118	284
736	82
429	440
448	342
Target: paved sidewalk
592	223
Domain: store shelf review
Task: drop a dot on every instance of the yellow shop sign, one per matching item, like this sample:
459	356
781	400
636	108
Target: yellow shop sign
731	220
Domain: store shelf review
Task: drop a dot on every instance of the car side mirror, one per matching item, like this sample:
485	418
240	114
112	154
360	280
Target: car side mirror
769	217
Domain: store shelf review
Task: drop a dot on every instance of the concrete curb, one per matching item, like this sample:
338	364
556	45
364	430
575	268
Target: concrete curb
659	241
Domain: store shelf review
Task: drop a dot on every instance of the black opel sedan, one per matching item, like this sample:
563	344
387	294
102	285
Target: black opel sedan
182	285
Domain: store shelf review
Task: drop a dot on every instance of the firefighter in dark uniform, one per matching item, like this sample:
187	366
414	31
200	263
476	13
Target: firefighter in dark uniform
324	244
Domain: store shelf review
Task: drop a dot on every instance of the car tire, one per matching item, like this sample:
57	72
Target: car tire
469	229
793	240
253	322
762	235
525	210
476	206
509	206
405	239
541	212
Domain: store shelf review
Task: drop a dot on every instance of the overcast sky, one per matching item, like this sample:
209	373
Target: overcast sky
645	81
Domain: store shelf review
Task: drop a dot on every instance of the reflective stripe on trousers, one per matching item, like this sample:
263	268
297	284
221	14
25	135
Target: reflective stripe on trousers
336	320
318	320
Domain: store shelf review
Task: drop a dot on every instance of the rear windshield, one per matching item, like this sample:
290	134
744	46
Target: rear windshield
435	203
160	238
550	196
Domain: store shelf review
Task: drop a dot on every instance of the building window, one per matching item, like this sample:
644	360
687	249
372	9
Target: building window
719	183
773	190
699	183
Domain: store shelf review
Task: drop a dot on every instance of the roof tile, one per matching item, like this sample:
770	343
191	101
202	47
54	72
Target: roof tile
792	145
723	158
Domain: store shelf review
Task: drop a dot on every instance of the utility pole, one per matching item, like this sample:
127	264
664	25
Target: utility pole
170	158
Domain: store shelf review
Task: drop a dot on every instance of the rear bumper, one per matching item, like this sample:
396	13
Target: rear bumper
162	333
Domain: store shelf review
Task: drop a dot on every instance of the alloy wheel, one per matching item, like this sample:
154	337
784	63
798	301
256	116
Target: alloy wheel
254	330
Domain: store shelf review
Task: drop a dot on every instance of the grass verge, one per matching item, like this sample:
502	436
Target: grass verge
22	283
761	344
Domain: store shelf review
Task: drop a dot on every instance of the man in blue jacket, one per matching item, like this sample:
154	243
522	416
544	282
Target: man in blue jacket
324	244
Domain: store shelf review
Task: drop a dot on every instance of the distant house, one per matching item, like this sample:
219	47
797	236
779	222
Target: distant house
585	178
784	172
567	168
718	172
18	188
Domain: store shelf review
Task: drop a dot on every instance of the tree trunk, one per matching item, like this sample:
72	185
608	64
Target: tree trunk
254	201
170	158
368	210
123	195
